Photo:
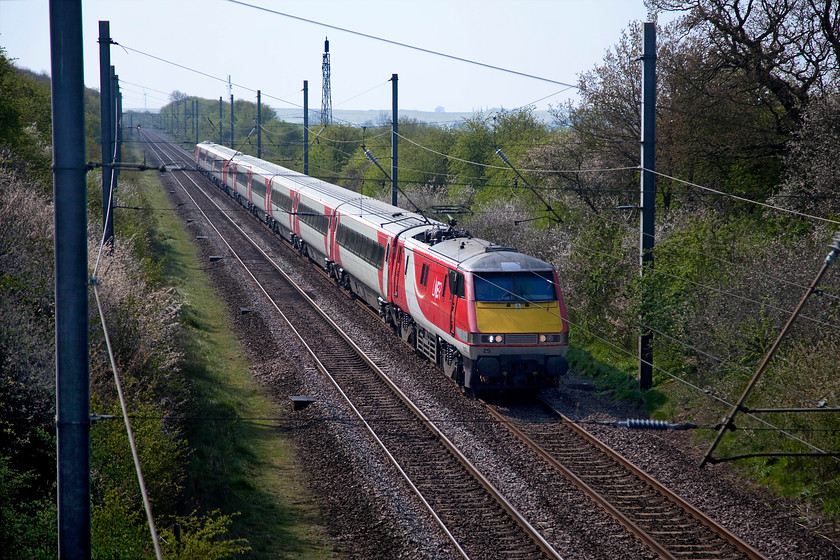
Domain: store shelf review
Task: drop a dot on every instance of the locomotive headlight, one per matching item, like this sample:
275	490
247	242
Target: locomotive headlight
492	338
478	338
558	337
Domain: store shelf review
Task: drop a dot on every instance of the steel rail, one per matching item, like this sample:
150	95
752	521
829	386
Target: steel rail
698	515
742	547
319	365
471	468
614	512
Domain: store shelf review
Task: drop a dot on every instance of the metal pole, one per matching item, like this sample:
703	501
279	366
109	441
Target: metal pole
394	130
305	127
185	118
196	121
105	128
71	276
648	190
231	122
118	131
259	122
727	422
221	104
113	150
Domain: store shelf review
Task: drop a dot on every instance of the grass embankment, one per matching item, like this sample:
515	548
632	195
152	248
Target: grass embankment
241	461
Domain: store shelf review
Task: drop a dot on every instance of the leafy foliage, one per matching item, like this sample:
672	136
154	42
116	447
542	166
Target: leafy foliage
813	161
748	106
29	521
144	323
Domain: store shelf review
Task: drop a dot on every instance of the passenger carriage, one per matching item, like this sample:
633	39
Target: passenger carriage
492	318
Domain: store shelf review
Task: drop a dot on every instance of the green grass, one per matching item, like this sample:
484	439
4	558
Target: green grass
237	464
613	378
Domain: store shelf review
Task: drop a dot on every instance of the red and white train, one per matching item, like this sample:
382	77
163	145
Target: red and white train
490	317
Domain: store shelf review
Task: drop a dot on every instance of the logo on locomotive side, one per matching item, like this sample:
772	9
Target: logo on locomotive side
438	291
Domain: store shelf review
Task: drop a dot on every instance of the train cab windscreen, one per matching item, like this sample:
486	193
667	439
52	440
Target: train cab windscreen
514	286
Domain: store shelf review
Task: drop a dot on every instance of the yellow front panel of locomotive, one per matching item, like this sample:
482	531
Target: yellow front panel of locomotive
510	317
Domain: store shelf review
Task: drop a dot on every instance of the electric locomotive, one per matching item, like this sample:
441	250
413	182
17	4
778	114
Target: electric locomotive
490	317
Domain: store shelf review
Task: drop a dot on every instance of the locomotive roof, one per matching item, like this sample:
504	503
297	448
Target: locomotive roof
479	255
380	214
468	253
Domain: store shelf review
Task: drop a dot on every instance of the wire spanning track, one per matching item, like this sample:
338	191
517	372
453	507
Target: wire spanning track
379	405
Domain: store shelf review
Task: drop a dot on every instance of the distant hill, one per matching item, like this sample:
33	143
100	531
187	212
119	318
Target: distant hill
373	117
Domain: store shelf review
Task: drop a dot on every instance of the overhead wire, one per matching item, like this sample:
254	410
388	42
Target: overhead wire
706	392
666	176
567	86
130	433
743	199
720	399
736	367
399	44
205	74
377	86
683	343
678	378
720	193
111	188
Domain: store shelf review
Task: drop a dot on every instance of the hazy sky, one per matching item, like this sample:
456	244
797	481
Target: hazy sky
552	39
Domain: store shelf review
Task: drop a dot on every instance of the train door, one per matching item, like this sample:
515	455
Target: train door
248	178
456	294
397	269
269	184
333	247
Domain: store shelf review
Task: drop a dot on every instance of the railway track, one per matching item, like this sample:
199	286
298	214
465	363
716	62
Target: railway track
477	519
668	525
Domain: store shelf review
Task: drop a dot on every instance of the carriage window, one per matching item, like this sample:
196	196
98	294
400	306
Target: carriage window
242	178
258	185
364	248
281	200
315	220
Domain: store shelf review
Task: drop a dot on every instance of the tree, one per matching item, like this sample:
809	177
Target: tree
812	178
601	132
713	128
474	161
419	157
473	150
177	96
791	48
330	150
9	114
